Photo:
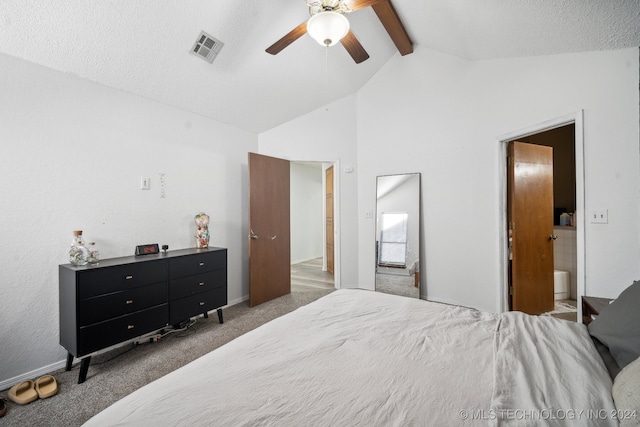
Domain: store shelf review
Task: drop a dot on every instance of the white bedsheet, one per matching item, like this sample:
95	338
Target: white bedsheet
351	358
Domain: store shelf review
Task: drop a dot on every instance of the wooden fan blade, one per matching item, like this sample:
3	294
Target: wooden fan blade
355	49
391	21
360	4
289	38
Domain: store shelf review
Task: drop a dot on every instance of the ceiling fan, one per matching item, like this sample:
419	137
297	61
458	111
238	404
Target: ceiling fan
328	25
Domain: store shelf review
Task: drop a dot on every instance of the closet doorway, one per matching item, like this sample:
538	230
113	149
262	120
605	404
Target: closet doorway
312	225
566	235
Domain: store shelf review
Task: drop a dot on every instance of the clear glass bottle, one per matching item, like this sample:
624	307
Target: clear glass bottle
94	253
78	253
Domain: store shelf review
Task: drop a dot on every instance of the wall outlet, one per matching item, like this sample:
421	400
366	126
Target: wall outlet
599	216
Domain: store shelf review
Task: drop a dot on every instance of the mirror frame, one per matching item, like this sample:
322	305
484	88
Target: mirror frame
385	184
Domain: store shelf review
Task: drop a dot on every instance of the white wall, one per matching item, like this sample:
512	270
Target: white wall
449	114
328	135
72	154
71	157
307	215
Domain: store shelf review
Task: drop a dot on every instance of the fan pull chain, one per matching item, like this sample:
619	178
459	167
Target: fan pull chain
326	78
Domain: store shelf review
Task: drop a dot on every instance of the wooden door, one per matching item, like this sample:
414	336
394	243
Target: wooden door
329	218
269	228
530	215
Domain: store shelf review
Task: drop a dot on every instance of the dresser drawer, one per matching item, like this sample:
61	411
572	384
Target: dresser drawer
116	304
186	308
191	285
196	264
105	280
105	334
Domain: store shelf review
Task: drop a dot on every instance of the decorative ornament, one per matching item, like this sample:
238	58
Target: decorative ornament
202	230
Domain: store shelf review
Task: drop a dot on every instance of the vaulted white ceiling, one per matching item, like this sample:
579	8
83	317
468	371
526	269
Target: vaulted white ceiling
142	46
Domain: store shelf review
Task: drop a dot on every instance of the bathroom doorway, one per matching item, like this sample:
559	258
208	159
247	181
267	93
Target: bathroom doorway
562	139
565	136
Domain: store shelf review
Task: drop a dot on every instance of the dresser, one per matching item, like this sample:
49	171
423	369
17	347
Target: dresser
121	299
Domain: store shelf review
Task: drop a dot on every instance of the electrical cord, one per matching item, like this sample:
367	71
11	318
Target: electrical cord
183	329
149	339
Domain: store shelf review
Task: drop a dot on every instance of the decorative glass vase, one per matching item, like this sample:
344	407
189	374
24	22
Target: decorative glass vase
202	230
78	253
94	254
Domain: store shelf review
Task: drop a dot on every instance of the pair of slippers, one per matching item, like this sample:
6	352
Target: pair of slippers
28	391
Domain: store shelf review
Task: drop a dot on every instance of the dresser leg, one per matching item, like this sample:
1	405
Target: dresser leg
84	368
220	315
69	362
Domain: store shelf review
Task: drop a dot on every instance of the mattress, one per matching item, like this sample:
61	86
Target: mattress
358	357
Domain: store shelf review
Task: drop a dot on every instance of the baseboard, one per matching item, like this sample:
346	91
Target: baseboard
298	261
237	301
36	373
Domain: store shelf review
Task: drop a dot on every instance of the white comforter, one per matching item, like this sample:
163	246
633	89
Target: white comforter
360	358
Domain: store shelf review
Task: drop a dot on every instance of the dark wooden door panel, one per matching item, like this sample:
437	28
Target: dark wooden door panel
269	228
530	204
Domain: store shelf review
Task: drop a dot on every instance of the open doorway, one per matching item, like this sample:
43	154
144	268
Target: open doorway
565	285
309	256
565	136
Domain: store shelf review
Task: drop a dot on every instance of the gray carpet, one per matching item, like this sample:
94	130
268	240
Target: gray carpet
397	285
115	374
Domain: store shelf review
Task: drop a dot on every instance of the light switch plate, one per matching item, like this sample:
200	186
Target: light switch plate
145	183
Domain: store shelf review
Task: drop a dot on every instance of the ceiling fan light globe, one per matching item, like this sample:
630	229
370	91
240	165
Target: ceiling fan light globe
328	28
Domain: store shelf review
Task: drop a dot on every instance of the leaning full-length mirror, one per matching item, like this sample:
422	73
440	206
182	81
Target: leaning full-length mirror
398	234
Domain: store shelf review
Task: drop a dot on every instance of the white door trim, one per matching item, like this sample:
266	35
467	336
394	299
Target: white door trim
576	119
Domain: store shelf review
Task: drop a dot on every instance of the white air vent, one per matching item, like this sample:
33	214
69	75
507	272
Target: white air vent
207	47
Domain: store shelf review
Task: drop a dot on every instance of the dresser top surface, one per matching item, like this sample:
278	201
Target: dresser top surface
108	262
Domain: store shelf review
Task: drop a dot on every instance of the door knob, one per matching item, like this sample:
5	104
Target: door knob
253	235
552	237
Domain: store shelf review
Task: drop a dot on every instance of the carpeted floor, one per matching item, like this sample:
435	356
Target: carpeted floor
397	285
114	374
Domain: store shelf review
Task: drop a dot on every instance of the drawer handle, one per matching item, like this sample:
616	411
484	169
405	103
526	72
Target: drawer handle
201	283
201	264
129	326
129	301
129	277
201	302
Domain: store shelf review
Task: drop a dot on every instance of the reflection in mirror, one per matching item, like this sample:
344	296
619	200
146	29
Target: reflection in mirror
398	234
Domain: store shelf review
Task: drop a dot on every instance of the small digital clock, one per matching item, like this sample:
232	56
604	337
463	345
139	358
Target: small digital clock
147	249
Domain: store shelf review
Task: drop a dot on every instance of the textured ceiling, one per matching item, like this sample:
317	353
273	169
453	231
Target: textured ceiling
142	46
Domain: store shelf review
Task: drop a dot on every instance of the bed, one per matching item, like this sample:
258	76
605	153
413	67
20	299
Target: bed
361	358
